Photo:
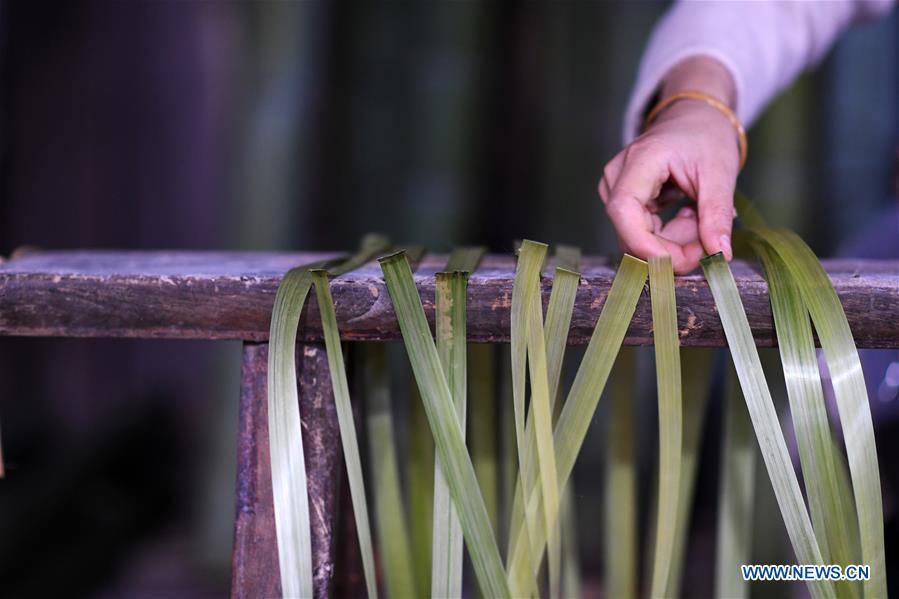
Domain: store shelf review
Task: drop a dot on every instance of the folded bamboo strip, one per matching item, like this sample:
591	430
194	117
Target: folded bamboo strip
809	415
764	418
451	289
347	425
531	258
442	418
582	400
446	568
530	262
842	358
846	521
288	466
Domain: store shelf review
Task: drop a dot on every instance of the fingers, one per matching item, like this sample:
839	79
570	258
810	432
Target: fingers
679	238
684	258
683	231
636	183
630	191
642	178
635	227
716	212
609	177
683	228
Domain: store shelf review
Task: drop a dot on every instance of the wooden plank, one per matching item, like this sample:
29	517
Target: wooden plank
229	296
255	570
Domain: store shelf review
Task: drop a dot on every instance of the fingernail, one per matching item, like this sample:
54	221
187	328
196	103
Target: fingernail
725	246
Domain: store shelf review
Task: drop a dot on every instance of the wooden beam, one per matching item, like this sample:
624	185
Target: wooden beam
255	570
227	295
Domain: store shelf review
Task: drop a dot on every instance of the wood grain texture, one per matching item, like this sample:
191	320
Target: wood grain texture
227	295
255	570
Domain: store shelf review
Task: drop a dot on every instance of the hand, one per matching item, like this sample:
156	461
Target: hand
691	148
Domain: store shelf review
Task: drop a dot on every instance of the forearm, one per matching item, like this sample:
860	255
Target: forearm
763	45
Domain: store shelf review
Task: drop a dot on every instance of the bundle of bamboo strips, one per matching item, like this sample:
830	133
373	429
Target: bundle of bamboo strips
842	523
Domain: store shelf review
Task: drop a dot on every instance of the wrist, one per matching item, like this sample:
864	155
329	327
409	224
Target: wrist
691	109
704	74
703	81
708	101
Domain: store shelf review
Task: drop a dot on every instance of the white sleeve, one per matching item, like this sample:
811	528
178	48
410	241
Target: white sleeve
764	45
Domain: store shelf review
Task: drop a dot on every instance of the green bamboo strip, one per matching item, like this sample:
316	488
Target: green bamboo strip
347	426
620	542
764	417
751	218
508	445
291	502
847	502
446	566
649	547
668	381
809	413
528	332
286	441
451	290
541	409
442	418
697	364
735	494
420	481
483	425
582	400
608	335
849	388
559	310
558	322
531	256
390	520
420	471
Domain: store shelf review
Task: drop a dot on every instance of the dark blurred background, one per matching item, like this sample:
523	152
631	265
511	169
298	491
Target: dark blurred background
304	125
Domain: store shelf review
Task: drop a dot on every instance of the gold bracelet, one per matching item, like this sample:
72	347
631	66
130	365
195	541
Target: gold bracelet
711	101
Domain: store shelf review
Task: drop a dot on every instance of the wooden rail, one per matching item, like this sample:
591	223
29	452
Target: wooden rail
227	295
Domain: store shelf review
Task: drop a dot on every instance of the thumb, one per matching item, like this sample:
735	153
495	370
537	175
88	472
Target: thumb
716	216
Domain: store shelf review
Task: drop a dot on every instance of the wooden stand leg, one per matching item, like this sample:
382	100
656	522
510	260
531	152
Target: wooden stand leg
255	558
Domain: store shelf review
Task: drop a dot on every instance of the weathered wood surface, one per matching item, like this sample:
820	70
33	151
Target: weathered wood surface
229	296
255	570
